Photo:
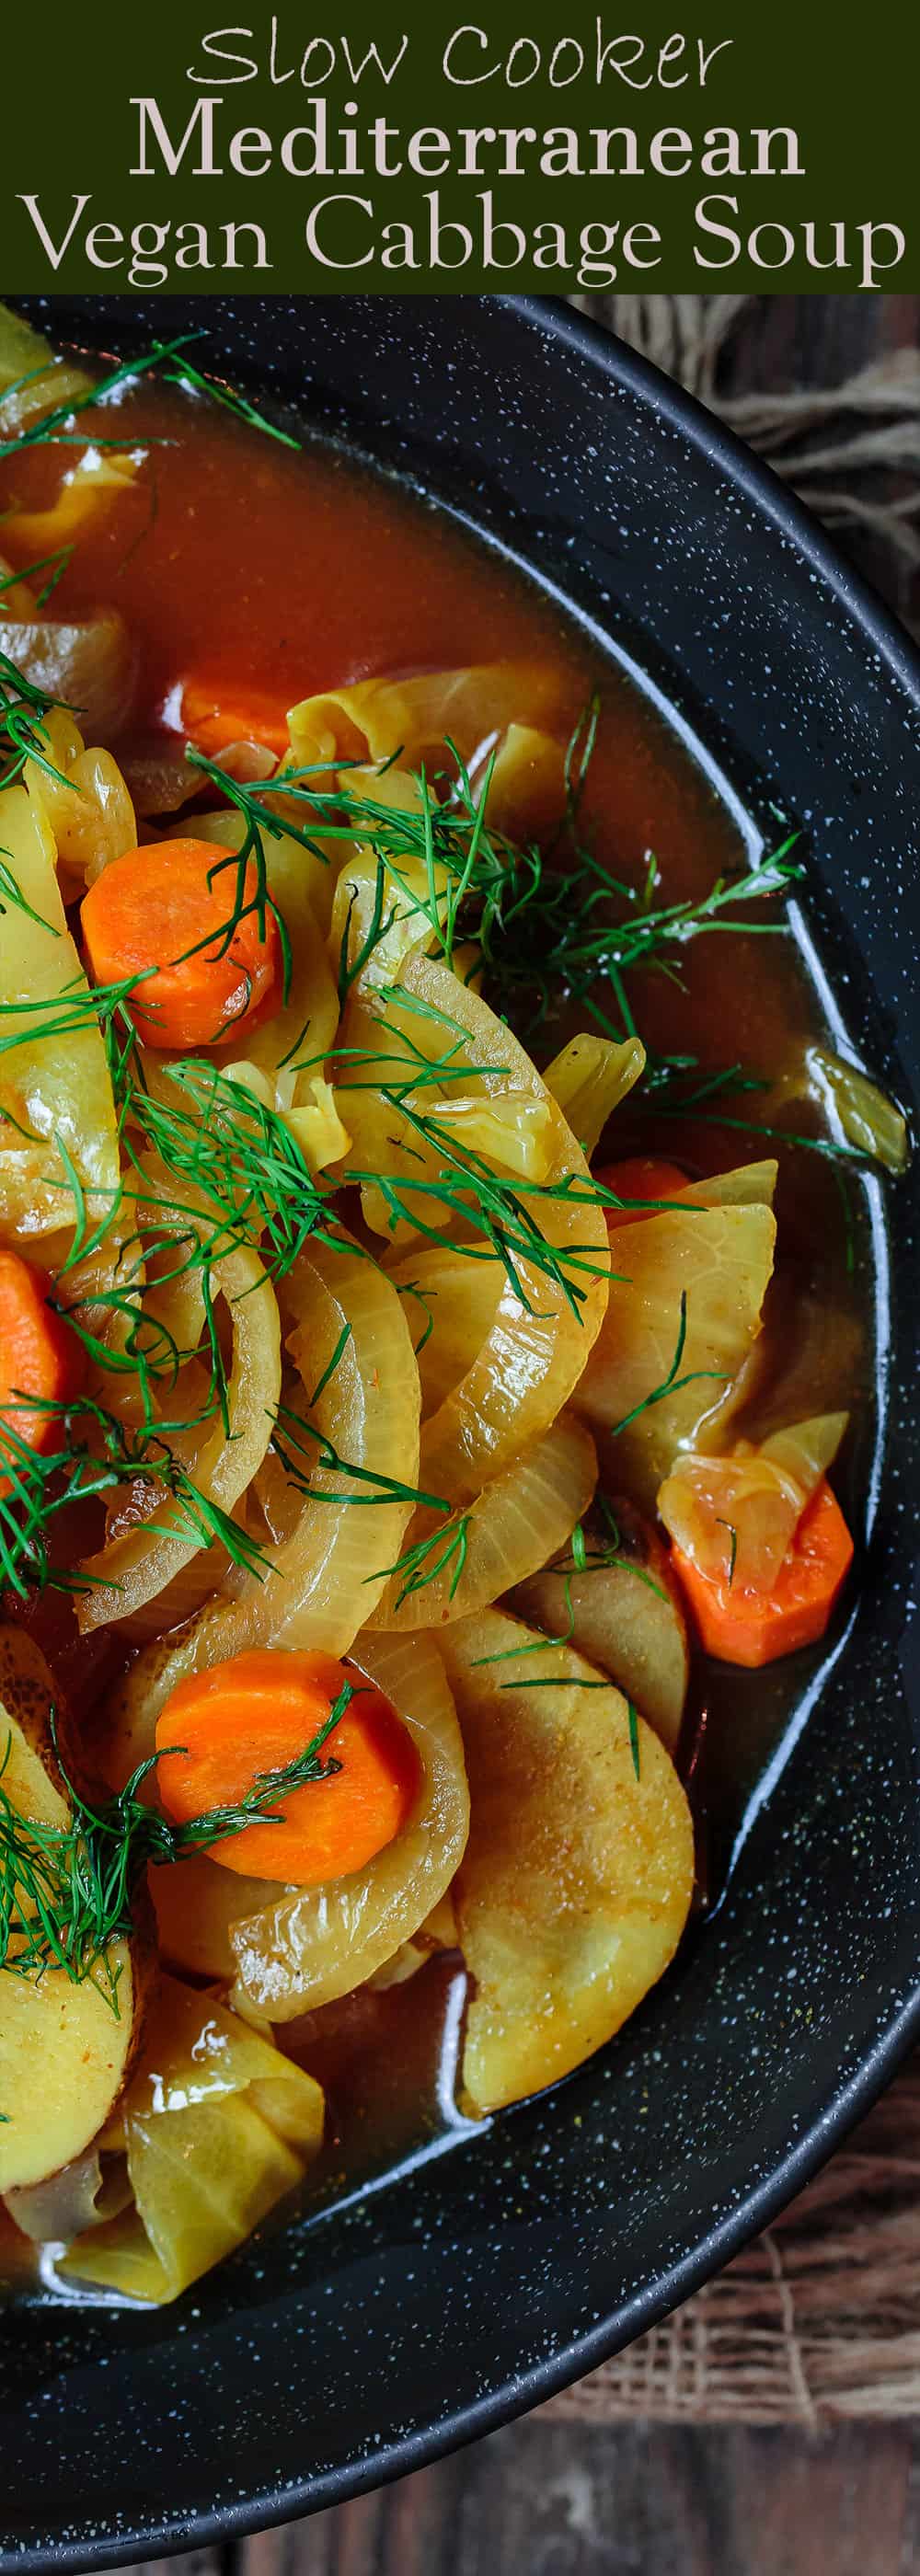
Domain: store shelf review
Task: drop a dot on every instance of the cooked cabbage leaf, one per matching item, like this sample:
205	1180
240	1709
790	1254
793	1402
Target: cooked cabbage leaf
575	1885
215	2127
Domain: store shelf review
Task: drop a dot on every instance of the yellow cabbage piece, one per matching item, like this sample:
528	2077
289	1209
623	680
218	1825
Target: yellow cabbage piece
54	1087
735	1516
89	664
414	717
867	1118
575	1885
588	1080
388	915
216	2126
84	800
33	378
652	1382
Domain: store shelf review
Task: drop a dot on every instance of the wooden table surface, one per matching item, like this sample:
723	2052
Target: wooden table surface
571	2491
619	2500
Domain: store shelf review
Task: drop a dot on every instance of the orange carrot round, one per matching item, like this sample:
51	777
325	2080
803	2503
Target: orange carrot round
642	1177
162	912
40	1357
258	1713
742	1625
215	712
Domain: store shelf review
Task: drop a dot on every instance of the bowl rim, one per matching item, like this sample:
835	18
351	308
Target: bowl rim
717	441
854	596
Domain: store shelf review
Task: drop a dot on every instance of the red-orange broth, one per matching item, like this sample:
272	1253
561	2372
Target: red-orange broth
294	572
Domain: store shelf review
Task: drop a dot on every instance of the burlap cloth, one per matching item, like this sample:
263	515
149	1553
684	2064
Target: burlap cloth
820	2318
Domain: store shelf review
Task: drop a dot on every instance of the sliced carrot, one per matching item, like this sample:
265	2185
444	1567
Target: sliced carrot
40	1357
216	712
162	912
643	1177
258	1713
744	1626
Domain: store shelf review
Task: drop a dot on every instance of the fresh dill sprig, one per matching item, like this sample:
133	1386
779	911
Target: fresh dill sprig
55	565
634	1738
166	358
221	1139
422	1563
302	1448
23	730
828	1146
546	923
733	1546
178	370
589	1555
52	427
423	1296
99	1454
11	894
469	1191
673	1383
68	1892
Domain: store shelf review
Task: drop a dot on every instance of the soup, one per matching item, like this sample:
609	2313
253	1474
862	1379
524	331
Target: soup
428	1330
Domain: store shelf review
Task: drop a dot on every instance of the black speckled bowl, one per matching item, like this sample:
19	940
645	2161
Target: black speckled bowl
335	2353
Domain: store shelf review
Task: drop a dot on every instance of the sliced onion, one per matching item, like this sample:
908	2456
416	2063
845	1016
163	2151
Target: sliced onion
750	1185
450	1304
521	1520
135	1568
312	1944
158	777
320	1588
536	1350
251	763
401	899
53	2211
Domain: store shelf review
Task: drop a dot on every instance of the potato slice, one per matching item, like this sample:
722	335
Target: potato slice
627	1617
575	1885
719	1259
64	2050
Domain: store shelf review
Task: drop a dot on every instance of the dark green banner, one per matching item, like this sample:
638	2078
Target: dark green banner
412	148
